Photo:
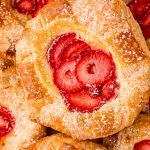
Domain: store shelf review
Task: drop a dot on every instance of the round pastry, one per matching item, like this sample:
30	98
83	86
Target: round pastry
62	142
17	130
141	12
135	137
10	32
23	10
86	66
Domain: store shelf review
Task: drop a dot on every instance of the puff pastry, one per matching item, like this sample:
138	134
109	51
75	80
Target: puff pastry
60	60
135	137
62	142
24	10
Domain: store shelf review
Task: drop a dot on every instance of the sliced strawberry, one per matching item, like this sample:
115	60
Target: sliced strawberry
94	67
39	4
106	91
109	89
133	5
142	7
65	79
143	145
25	6
145	20
82	102
146	33
74	49
6	121
141	12
139	7
57	47
44	2
94	91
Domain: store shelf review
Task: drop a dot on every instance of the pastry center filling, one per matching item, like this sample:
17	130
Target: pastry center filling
85	76
143	145
6	121
29	6
141	12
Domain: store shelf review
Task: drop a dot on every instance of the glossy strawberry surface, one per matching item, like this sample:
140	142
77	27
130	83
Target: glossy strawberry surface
6	121
141	12
29	6
85	77
143	145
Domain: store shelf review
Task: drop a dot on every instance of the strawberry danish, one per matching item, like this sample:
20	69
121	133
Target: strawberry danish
135	137
86	66
23	10
62	142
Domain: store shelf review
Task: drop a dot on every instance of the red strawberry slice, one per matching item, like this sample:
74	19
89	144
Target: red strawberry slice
146	33
65	79
139	7
143	145
94	67
133	5
106	91
74	49
54	53
82	102
109	89
145	20
25	6
39	4
94	91
6	121
141	12
142	7
44	2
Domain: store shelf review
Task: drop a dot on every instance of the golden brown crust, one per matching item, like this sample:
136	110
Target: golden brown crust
110	29
127	138
62	142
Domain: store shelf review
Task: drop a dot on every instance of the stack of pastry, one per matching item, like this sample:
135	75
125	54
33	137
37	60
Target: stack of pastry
79	67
